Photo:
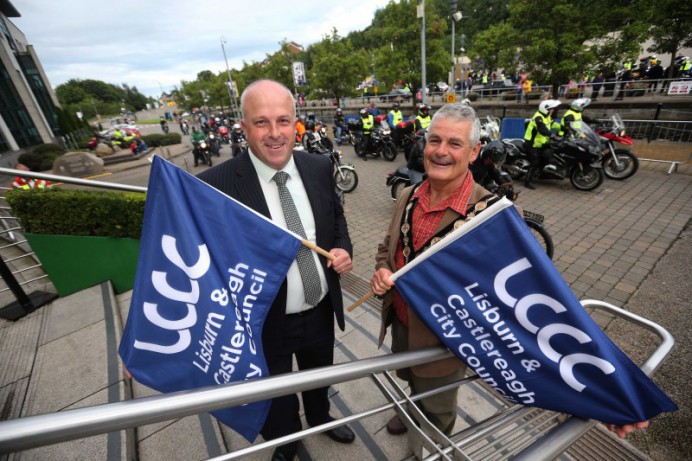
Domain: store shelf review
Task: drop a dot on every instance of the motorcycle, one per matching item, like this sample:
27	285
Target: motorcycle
324	139
345	134
185	128
214	144
408	137
617	163
345	175
223	134
164	127
202	153
239	145
490	130
578	158
381	143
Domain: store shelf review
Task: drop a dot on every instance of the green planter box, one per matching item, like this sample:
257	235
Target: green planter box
74	263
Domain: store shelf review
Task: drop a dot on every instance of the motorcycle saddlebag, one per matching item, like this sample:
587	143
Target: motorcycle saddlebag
406	127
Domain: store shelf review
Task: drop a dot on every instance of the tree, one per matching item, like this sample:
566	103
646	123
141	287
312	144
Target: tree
562	40
671	27
496	47
336	67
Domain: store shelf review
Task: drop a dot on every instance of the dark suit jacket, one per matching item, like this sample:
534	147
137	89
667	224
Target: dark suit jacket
237	178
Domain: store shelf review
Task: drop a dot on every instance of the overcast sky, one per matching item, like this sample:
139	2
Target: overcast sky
154	44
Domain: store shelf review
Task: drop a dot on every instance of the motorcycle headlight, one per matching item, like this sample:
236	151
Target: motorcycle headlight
211	136
386	132
203	144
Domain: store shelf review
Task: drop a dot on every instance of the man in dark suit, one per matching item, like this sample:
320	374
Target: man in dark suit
294	325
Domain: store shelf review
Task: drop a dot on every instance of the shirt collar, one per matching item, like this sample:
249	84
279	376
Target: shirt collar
266	173
457	201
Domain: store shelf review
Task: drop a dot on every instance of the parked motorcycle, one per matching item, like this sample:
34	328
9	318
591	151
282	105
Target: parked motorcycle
617	163
202	153
578	158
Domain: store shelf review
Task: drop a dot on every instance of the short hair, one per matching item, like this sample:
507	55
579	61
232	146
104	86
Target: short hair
257	82
460	112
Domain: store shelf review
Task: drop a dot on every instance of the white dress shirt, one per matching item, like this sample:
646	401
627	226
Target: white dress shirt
295	301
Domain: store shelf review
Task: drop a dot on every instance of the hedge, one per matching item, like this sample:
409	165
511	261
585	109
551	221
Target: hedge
79	212
162	139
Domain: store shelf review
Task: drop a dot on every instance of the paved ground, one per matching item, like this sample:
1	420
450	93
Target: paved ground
623	243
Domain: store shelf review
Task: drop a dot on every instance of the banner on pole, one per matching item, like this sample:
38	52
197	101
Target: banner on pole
493	297
209	269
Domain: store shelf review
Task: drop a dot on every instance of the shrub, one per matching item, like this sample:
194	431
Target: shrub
79	212
161	139
42	157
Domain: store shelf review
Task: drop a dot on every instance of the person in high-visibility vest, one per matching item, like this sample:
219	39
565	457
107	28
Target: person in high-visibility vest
393	118
572	120
423	118
368	122
537	137
28	183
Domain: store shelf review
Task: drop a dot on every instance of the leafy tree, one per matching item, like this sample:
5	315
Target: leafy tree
336	67
671	26
497	47
562	40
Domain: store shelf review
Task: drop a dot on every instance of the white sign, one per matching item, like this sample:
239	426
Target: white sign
680	87
299	74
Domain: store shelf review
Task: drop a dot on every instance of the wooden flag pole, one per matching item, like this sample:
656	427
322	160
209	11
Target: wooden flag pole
360	301
319	250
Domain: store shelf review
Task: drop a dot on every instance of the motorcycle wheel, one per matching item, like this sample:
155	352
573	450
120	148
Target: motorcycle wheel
389	152
588	179
629	164
397	187
542	236
346	180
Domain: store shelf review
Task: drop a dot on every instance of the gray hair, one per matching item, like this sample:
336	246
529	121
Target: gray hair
260	81
460	112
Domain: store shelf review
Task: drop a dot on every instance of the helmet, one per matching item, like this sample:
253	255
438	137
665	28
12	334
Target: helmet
548	104
310	125
395	105
217	120
301	118
466	102
236	127
338	110
311	116
495	152
424	108
363	112
580	104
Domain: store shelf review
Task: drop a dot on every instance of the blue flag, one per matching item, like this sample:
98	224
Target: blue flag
209	269
493	297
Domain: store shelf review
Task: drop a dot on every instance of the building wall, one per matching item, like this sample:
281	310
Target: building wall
23	121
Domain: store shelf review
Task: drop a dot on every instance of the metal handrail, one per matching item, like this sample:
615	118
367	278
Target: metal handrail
33	431
39	430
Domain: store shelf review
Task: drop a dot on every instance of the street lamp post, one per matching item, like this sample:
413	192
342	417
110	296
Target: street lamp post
424	83
231	93
456	16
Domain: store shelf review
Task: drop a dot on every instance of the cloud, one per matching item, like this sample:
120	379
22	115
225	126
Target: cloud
153	45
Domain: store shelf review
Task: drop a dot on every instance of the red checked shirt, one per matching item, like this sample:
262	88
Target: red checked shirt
425	222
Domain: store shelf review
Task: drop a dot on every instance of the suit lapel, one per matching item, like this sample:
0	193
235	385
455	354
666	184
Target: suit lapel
247	186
